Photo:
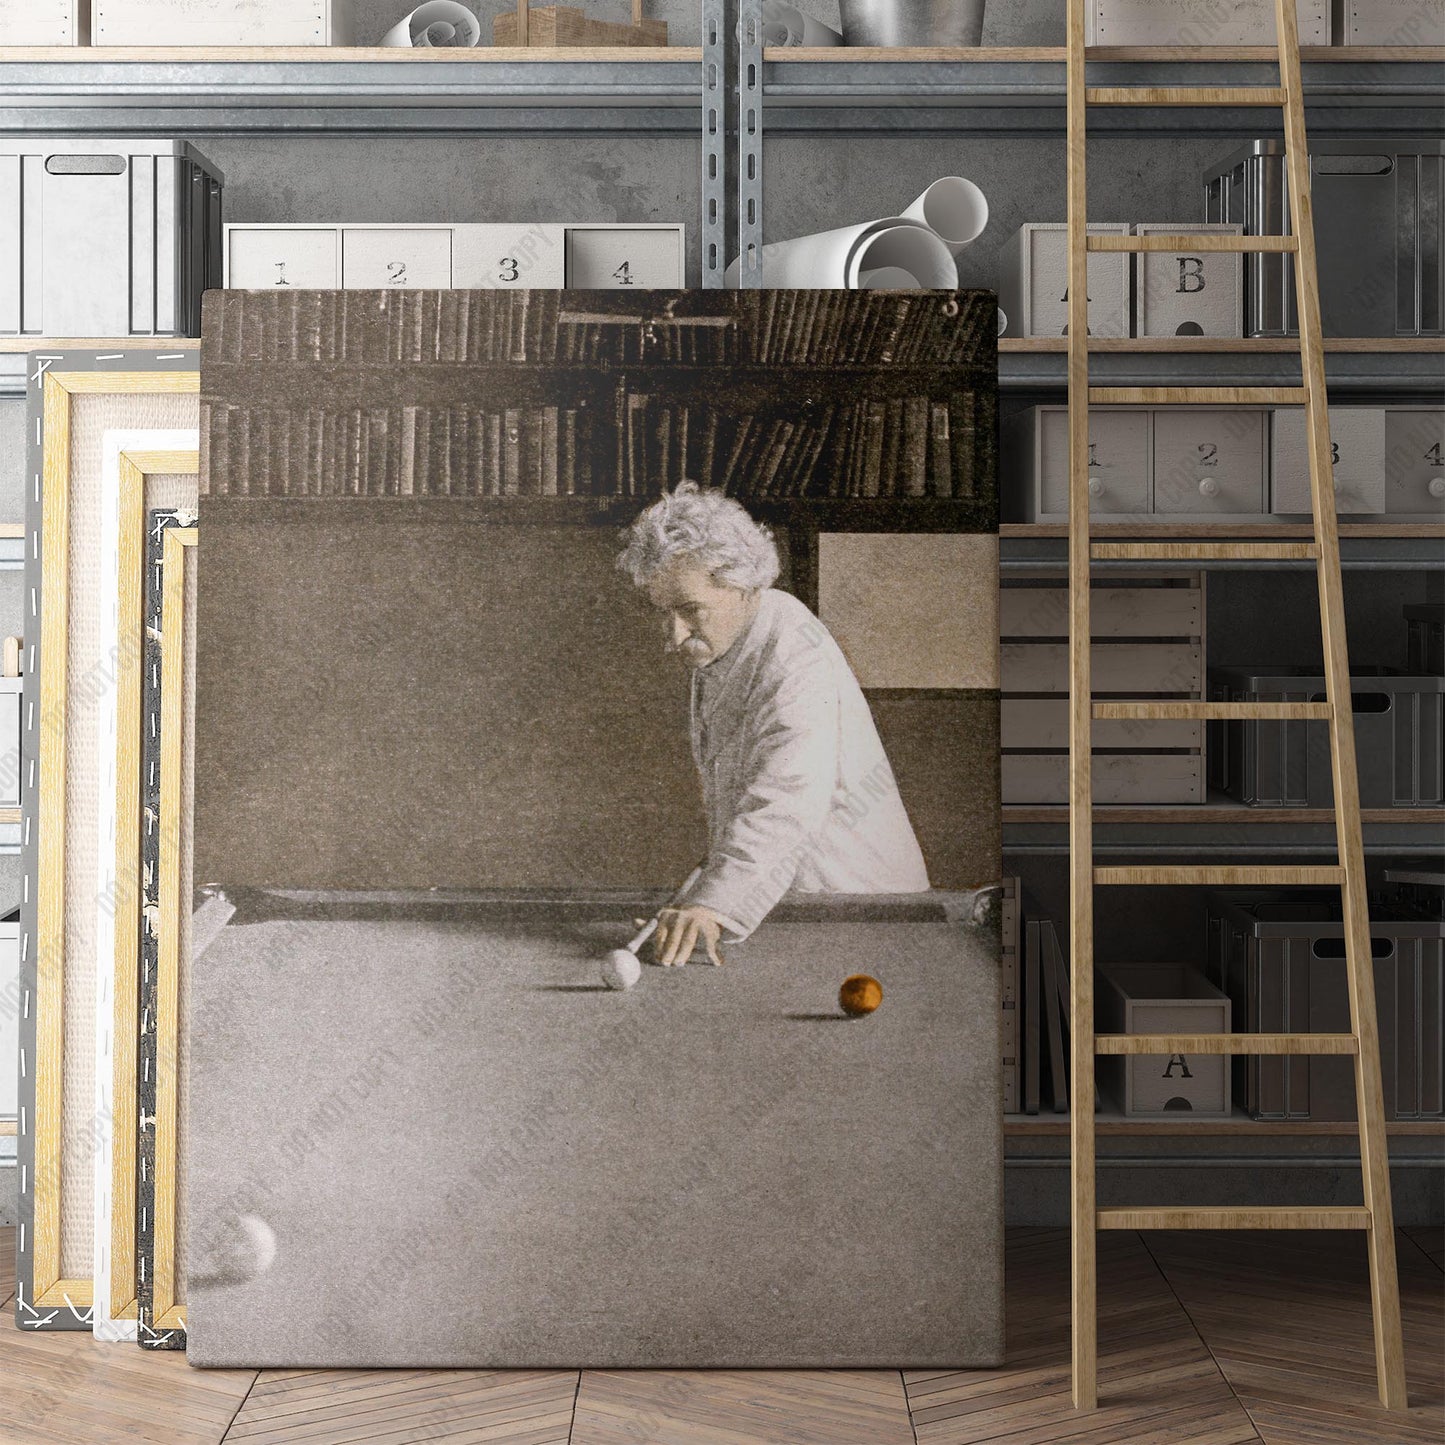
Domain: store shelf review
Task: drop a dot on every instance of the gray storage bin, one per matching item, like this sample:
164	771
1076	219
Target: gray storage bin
1399	739
1279	955
106	238
1153	998
1425	636
1377	215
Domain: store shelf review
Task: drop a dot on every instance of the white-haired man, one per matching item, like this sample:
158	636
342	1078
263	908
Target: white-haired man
797	789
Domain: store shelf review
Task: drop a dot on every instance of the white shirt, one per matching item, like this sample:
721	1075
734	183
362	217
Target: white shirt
798	791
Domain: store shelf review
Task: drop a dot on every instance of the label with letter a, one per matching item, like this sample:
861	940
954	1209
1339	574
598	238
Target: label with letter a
1189	292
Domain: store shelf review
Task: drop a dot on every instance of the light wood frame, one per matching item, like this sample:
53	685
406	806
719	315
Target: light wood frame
45	1299
117	1184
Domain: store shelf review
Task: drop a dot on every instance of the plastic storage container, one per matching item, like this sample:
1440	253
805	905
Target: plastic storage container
1425	636
1377	214
106	237
1398	739
1279	955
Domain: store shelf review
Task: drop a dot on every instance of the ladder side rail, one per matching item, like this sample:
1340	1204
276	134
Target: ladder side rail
1359	966
1084	1284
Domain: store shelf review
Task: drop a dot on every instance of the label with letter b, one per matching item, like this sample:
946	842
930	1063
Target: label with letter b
1188	293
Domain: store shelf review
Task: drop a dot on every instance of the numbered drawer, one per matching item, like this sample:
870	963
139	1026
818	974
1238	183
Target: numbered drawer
402	258
1208	462
1357	452
1414	459
1190	293
1118	461
265	257
616	257
510	256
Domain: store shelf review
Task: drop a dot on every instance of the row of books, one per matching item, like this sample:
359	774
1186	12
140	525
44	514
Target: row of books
409	451
724	328
907	447
915	447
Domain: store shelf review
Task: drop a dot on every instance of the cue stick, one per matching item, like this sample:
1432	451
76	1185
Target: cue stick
650	927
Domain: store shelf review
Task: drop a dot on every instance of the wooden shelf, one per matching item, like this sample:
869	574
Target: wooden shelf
1164	531
1241	1125
346	54
1228	345
1213	812
1057	54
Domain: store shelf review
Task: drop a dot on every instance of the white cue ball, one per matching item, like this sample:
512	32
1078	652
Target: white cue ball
620	969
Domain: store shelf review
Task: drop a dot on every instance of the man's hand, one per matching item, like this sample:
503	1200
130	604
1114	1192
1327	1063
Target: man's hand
678	931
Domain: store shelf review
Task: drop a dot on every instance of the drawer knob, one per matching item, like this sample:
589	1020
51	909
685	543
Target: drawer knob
1208	487
1096	486
1437	486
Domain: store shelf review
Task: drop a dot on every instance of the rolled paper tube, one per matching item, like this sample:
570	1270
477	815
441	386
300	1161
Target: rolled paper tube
834	260
887	278
786	25
438	25
954	209
1002	321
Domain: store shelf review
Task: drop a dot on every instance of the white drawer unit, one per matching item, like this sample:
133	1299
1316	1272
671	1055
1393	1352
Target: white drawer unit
1033	286
221	22
1209	462
509	256
1189	293
493	256
406	258
1415	460
604	257
1187	22
1357	454
44	22
302	258
1130	669
1389	22
1036	462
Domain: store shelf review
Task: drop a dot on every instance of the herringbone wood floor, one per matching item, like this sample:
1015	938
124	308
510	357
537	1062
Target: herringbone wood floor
1205	1339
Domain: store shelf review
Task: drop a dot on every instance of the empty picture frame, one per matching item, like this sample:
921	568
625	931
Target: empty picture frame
74	399
168	930
142	470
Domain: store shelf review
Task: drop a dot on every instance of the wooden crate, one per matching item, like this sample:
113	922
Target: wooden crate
221	22
1148	642
558	25
55	22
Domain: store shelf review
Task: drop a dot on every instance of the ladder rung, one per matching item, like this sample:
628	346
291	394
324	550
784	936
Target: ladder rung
1199	395
1218	1216
1185	95
1226	874
1206	551
1202	709
1187	241
1226	1044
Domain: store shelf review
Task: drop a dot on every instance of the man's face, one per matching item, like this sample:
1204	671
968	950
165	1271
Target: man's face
701	619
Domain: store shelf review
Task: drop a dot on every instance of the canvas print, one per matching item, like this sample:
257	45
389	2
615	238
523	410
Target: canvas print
596	756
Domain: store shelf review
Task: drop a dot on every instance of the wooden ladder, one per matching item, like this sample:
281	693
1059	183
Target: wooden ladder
1376	1217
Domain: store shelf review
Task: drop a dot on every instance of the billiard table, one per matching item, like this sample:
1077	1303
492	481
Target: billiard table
464	1151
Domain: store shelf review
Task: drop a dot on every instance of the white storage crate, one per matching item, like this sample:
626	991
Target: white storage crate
506	256
221	22
1033	285
44	22
1187	22
1357	454
1189	293
1389	22
1154	998
106	237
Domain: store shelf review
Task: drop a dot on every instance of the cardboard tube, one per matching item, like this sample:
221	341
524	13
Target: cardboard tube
835	260
1002	321
439	24
954	208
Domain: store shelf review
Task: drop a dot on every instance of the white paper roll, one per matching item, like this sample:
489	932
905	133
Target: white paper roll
887	278
836	260
785	24
954	208
439	24
1002	321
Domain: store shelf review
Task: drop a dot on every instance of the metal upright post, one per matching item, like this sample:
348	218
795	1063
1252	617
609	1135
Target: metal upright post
750	143
715	90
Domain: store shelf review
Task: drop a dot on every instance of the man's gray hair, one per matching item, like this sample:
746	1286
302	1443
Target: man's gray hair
704	526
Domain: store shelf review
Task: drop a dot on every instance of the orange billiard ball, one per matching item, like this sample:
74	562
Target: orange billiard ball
860	995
